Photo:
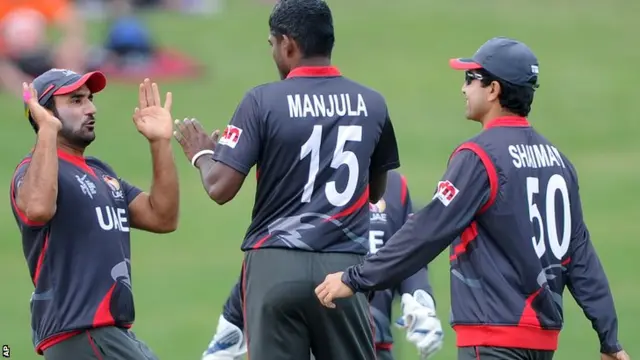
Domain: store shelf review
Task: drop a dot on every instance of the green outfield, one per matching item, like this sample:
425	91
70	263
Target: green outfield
586	105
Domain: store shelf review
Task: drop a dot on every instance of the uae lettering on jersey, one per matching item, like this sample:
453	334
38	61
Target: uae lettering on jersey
377	211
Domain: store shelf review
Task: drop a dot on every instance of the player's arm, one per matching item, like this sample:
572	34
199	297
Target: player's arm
588	284
385	157
71	53
10	76
236	153
463	190
157	211
36	181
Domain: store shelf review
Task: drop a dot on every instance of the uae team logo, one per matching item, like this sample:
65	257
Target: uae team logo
376	212
114	186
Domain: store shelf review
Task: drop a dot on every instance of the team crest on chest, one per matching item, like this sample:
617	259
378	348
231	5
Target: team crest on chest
114	186
377	211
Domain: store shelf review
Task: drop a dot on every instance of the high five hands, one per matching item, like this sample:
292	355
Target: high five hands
153	119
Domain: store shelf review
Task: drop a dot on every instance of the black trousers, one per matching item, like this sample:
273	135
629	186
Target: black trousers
105	343
283	317
498	353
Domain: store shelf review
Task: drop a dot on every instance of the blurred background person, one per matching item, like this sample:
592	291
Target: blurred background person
129	51
26	50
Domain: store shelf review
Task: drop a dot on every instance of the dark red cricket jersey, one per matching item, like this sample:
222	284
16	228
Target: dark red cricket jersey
80	260
315	138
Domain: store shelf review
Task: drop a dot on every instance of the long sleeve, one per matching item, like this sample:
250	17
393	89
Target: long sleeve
460	194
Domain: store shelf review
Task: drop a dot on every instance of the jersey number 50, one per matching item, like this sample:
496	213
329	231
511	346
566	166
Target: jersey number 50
559	247
340	157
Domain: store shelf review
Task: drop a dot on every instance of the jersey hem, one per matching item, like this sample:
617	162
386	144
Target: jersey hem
59	337
531	338
321	251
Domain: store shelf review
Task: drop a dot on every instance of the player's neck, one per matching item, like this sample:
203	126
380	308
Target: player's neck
314	61
70	149
492	115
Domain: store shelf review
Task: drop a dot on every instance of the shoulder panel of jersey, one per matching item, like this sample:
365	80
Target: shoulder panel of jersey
477	145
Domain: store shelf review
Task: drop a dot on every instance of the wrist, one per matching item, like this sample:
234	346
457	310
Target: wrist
200	156
161	141
610	348
48	131
346	279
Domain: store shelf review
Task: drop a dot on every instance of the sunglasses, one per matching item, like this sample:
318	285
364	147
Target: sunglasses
470	76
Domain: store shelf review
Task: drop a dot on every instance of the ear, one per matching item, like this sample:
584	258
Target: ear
288	45
494	90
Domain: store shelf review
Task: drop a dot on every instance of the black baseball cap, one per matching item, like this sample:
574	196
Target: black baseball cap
61	82
507	59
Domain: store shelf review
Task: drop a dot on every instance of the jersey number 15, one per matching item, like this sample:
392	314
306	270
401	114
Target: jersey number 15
340	157
559	246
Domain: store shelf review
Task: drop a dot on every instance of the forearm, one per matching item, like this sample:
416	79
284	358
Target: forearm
590	287
212	181
11	76
71	52
165	194
39	189
404	254
417	281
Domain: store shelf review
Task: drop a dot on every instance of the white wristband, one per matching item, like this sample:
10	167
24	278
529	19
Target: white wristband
199	154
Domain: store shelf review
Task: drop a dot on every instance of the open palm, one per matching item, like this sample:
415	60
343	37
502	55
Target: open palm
152	119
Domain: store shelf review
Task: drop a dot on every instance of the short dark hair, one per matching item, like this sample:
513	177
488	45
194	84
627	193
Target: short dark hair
513	98
308	22
49	105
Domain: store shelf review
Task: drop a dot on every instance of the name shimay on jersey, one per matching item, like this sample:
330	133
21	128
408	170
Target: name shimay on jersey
535	156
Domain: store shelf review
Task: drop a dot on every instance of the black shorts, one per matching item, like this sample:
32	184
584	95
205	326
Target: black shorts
105	343
499	353
283	317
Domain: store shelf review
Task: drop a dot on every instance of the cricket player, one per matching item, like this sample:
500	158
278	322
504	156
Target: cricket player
509	207
322	145
386	216
75	214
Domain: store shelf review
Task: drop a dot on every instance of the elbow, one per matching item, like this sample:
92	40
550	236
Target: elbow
164	227
170	226
169	222
39	214
218	195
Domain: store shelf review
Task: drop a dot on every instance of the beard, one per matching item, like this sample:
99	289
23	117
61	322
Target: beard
78	138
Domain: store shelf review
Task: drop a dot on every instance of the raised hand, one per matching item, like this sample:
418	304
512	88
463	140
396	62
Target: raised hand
43	117
152	119
194	140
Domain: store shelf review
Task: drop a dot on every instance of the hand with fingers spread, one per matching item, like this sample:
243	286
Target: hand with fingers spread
332	288
195	141
43	117
153	119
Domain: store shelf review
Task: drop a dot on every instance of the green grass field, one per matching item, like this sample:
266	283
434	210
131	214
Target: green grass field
586	105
